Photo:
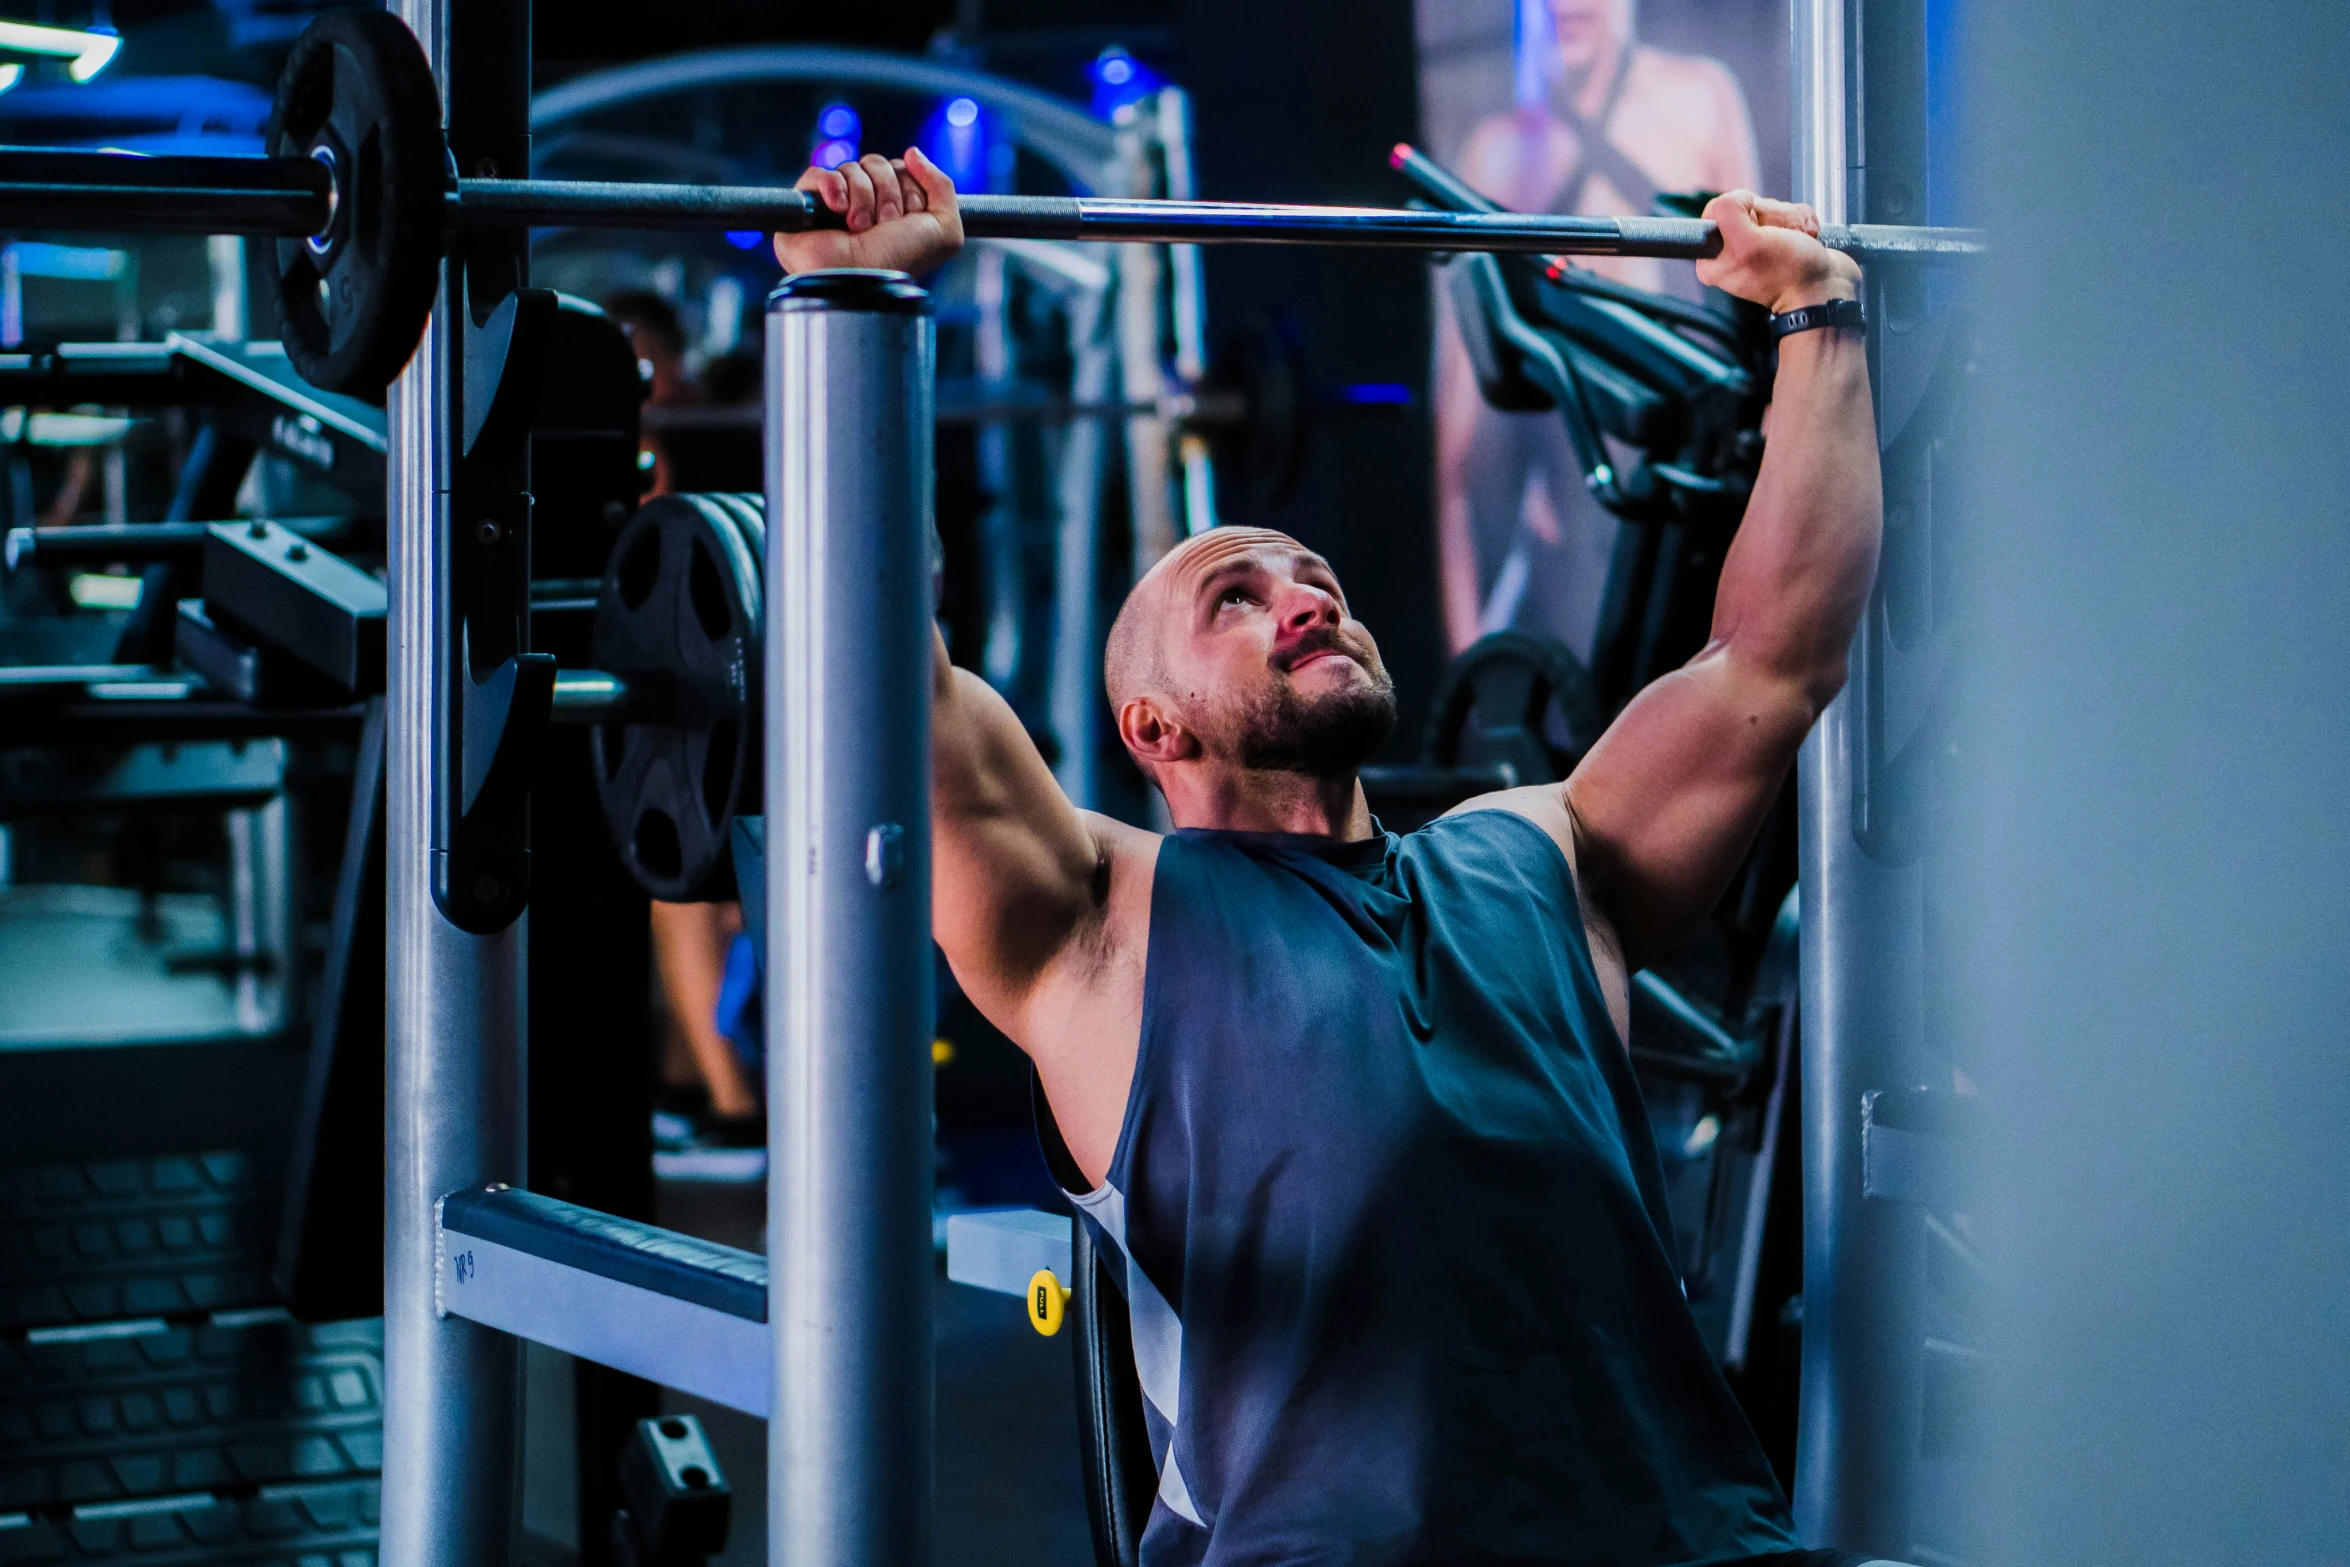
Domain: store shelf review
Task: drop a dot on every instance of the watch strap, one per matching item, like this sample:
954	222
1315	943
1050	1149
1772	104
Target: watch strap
1827	313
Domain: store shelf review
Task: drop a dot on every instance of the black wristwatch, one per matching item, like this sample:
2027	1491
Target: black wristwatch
1833	313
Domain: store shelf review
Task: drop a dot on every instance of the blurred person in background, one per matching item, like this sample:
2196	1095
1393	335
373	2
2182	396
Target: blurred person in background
707	1084
1602	123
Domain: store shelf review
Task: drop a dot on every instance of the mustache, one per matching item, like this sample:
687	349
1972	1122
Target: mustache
1325	639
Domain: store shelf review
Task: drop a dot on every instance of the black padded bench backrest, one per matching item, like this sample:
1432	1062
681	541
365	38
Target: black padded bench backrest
1113	1443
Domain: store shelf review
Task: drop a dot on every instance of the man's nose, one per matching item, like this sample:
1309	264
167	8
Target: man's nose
1304	607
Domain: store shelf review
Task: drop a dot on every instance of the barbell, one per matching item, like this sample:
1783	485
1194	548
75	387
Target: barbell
358	190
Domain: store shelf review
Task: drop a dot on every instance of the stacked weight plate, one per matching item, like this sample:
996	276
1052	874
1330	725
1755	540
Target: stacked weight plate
679	617
153	1406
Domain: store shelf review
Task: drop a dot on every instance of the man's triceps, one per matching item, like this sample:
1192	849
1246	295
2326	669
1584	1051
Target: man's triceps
1014	862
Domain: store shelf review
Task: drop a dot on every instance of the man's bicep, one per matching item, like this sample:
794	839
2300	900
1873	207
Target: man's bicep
1668	801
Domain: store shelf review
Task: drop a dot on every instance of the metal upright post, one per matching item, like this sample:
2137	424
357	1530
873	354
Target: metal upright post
1863	1348
1188	292
1074	697
453	1025
1816	51
1142	374
849	366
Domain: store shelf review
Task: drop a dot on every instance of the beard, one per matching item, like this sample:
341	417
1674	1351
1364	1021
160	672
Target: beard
1327	736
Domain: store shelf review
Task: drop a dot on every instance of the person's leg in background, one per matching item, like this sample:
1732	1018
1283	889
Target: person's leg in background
690	942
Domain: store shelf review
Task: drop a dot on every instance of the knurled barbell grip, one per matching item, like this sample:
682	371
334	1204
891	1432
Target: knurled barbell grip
774	210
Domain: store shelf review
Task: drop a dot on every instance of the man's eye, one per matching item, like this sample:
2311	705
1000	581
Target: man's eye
1235	596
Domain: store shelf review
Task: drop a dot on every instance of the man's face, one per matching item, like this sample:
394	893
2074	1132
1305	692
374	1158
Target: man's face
1586	29
1264	663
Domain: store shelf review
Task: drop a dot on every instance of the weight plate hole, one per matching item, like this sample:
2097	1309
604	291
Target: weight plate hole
640	568
709	598
657	848
718	771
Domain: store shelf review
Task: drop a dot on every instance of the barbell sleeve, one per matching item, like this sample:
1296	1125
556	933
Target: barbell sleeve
592	696
179	194
130	544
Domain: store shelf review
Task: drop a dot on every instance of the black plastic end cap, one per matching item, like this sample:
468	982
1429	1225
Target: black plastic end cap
876	289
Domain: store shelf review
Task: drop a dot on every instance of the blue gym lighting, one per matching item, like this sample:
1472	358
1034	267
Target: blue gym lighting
1120	79
959	136
837	131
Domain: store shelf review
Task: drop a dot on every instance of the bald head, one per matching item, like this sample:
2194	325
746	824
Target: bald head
1237	651
1134	664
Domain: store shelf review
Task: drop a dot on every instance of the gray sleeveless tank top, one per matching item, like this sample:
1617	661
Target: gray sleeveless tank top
1393	1229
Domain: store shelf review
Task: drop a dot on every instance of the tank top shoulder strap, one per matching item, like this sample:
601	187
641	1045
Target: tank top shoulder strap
1596	155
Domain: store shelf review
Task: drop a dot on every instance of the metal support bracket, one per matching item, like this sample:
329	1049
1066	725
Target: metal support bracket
505	693
1004	1249
506	361
682	1312
1913	1147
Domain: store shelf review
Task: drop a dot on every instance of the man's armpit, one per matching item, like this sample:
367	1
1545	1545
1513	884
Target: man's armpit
1116	924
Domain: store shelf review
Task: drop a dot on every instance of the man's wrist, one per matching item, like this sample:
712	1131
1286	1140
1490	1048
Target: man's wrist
1841	281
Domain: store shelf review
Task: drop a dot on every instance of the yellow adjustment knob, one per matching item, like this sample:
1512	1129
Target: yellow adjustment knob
1048	1302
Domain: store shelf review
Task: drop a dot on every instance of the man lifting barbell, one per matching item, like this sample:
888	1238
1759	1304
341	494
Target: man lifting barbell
1353	1107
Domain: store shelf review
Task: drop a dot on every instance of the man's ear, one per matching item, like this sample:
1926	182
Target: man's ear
1153	735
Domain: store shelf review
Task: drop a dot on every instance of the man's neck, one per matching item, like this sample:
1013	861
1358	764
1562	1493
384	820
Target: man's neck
1237	800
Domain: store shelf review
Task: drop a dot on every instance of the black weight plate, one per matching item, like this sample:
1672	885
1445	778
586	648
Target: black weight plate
1266	447
678	616
750	513
1515	698
357	93
750	516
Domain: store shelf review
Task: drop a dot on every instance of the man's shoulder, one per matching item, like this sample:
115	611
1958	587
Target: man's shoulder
1121	840
1544	805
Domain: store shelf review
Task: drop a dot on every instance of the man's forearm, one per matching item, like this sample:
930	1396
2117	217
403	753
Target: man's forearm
1669	799
1798	574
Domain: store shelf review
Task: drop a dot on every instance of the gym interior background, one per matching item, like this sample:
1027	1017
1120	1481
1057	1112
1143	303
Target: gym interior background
2068	850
